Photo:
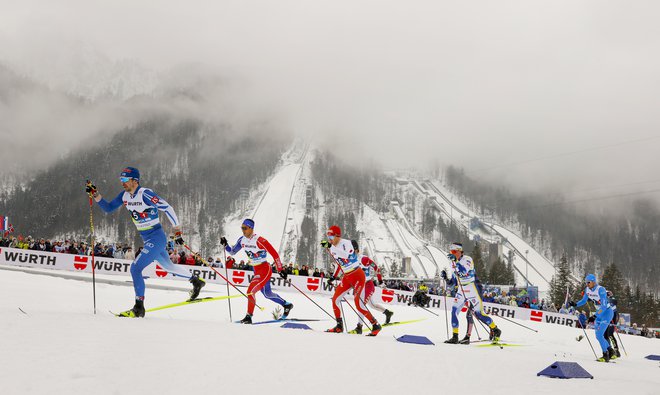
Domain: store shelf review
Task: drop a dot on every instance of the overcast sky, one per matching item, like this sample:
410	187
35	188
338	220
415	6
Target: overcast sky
487	85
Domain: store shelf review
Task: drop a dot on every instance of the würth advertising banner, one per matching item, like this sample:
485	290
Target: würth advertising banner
311	285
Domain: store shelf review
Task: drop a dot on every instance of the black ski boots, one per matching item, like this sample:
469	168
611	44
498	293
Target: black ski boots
357	330
453	340
197	284
497	332
388	316
287	309
605	357
136	312
339	328
375	329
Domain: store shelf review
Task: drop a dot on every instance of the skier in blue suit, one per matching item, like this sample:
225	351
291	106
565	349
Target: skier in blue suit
143	204
604	314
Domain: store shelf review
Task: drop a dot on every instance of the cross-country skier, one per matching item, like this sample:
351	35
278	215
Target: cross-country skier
371	272
348	264
466	291
469	317
604	314
257	249
143	204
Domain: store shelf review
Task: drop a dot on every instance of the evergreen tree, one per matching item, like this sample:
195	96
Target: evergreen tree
612	280
479	265
499	273
561	282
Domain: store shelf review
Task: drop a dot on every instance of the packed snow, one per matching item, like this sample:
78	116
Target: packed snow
61	347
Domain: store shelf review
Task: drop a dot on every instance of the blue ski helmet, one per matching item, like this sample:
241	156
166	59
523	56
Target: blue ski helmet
590	277
131	172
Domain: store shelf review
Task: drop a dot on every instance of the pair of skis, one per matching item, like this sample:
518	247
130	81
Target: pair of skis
186	303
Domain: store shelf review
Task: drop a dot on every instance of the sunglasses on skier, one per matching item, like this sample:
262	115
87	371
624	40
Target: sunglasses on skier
125	179
244	228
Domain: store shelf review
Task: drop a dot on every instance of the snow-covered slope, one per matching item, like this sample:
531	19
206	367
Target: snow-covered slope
270	213
60	347
530	265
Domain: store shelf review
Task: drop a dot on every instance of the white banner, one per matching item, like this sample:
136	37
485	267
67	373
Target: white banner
311	285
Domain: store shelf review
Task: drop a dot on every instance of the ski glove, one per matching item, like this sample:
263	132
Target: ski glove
91	189
178	239
223	241
443	274
571	303
452	257
330	280
283	274
325	244
592	319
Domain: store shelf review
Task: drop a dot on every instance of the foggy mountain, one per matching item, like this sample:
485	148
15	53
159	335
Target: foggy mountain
196	165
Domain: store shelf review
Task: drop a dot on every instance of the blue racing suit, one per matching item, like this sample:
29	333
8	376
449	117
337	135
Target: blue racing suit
143	206
604	313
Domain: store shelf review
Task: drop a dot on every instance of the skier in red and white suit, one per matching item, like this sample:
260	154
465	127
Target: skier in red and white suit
257	249
371	272
348	264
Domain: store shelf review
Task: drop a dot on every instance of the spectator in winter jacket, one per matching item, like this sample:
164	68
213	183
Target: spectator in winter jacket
317	273
128	254
218	262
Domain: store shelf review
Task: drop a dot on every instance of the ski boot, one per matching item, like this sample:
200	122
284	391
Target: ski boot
465	340
388	316
375	328
497	332
197	284
453	340
357	330
605	357
611	353
339	328
247	320
287	309
618	354
136	312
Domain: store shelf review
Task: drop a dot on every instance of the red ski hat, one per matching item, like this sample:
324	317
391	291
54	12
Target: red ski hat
334	230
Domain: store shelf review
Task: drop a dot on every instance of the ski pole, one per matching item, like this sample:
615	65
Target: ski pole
514	322
343	322
224	257
358	314
589	341
446	317
312	300
616	330
91	226
221	276
474	316
425	309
